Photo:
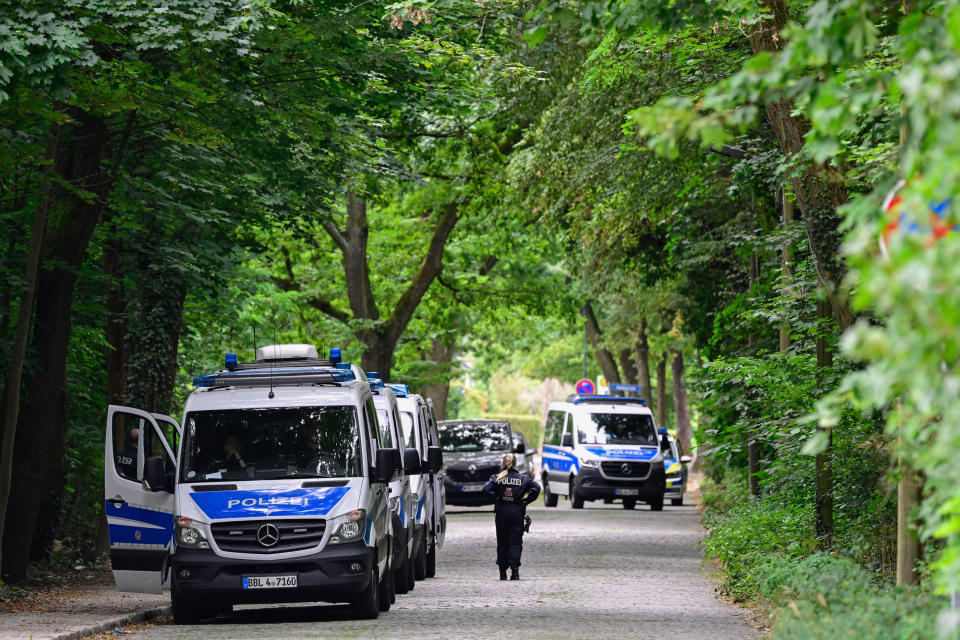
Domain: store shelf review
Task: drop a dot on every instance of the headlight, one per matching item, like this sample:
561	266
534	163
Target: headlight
190	534
348	527
592	463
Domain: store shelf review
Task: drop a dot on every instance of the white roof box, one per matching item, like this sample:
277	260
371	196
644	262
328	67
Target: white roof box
275	352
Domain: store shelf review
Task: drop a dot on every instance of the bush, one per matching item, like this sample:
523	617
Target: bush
821	596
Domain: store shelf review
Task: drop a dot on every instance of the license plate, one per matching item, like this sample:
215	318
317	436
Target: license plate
628	492
472	487
269	582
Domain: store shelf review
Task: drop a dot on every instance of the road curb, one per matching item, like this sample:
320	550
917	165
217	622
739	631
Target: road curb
111	624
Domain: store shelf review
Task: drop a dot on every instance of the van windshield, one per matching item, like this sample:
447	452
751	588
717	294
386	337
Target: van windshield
616	428
266	444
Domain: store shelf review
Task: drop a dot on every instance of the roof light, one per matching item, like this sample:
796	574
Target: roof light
231	361
578	399
662	431
372	374
335	356
274	377
402	390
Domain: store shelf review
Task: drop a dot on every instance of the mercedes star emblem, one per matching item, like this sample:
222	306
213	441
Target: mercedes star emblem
268	535
625	469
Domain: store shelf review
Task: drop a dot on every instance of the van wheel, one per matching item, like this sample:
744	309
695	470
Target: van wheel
420	565
184	612
629	504
367	604
401	576
385	597
576	500
411	579
432	560
656	504
549	499
677	502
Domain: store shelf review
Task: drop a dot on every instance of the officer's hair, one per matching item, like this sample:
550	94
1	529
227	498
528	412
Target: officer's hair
509	461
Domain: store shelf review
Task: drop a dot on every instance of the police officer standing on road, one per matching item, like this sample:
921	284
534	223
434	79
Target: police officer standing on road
512	492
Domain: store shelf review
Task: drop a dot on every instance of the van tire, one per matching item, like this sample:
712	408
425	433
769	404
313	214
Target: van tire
411	579
401	576
629	503
420	565
367	605
656	504
385	597
549	499
677	502
432	560
576	500
184	612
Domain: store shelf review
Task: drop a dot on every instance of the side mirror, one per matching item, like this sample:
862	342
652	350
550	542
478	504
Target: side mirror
388	463
567	440
520	448
685	459
154	477
434	459
411	462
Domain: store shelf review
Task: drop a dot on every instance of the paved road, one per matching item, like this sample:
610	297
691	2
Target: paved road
597	573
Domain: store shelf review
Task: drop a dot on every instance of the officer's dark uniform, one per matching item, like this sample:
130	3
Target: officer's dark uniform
127	461
512	494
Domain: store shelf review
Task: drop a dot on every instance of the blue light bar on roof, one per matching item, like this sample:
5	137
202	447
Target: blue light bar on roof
231	361
402	390
335	354
266	375
662	431
374	382
579	399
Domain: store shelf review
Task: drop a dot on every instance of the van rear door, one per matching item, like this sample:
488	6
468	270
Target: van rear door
139	517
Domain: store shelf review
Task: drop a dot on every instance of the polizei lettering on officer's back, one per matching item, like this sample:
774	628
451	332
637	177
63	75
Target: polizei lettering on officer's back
509	480
269	502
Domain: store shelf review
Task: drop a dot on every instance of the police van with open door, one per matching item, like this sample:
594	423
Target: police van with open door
602	448
279	492
415	420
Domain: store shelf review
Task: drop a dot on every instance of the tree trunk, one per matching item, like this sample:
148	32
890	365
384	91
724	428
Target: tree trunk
11	396
643	363
786	270
680	403
442	354
753	449
607	364
628	366
662	391
41	429
824	490
819	189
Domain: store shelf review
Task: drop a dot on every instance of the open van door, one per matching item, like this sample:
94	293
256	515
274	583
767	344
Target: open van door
138	480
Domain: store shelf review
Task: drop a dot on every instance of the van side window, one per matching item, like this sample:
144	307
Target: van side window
125	430
568	426
553	428
373	431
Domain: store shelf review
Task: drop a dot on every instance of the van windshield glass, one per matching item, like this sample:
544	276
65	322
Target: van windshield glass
406	421
616	428
474	436
265	444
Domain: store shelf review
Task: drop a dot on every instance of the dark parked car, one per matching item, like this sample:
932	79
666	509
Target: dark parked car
472	450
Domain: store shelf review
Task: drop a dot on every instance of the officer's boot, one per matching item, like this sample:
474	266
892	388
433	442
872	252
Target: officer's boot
503	573
515	574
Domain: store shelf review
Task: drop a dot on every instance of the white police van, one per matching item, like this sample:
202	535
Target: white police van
602	448
279	493
401	497
675	466
429	513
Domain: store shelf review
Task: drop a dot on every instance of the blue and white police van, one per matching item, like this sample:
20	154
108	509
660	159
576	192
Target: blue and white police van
602	448
675	467
429	514
401	497
278	494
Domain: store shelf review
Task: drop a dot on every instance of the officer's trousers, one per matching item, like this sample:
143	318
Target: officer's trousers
509	521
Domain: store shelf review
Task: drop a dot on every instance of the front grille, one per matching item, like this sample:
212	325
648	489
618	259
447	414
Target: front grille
614	469
482	474
241	537
198	488
314	484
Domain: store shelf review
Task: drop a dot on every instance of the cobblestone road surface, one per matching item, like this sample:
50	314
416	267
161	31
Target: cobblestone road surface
602	572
